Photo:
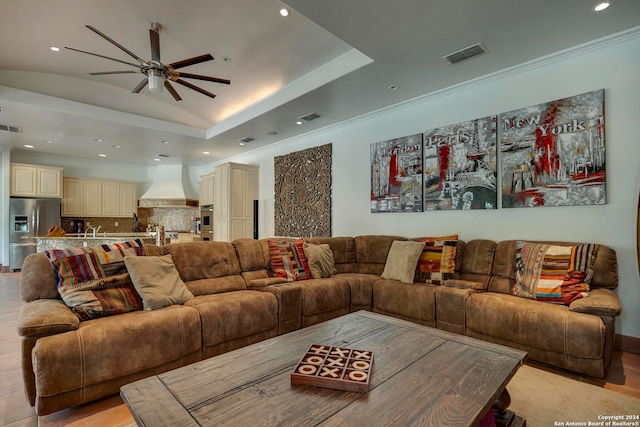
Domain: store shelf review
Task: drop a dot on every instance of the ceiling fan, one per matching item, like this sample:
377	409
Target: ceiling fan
157	75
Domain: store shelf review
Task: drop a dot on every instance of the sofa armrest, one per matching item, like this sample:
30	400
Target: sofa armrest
465	284
260	284
601	302
46	317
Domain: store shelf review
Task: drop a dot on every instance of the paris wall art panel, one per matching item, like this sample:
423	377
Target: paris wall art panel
396	175
553	154
460	166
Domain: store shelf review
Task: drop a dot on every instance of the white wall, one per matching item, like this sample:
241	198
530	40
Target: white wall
613	65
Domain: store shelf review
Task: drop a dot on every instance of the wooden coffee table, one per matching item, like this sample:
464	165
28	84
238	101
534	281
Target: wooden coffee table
420	376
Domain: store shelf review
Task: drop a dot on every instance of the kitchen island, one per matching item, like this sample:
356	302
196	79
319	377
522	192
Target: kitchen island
79	240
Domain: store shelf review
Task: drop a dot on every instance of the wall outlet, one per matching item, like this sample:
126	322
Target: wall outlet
115	223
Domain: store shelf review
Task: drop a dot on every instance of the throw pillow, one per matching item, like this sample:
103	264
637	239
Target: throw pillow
93	281
320	258
288	260
401	260
437	262
157	281
552	273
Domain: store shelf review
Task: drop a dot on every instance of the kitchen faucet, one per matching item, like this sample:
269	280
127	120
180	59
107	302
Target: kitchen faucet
95	230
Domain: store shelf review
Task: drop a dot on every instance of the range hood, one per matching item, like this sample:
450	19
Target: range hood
166	189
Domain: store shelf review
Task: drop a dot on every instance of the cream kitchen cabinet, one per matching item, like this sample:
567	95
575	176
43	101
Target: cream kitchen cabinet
35	181
99	198
206	189
119	199
235	189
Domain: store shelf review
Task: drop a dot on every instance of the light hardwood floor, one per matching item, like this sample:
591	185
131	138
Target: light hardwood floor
623	377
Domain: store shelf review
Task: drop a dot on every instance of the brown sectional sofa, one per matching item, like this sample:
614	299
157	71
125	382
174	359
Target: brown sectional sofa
238	302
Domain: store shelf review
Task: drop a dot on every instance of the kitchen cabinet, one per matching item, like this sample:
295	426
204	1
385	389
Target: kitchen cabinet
206	189
35	181
99	198
119	199
235	189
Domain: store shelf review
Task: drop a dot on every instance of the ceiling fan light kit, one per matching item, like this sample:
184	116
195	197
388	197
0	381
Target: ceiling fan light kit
157	75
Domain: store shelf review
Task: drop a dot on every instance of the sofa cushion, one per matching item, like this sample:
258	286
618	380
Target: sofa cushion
556	274
530	323
320	258
288	260
232	315
157	281
93	281
102	350
437	261
402	260
415	302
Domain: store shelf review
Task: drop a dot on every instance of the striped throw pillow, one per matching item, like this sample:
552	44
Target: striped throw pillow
437	262
93	281
553	273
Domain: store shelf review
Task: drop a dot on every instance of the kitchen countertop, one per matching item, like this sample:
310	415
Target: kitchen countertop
45	243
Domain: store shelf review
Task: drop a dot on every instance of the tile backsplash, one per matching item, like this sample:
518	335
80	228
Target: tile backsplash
174	219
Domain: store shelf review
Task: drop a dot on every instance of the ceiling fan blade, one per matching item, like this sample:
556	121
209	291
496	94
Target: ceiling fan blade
191	61
199	77
102	73
110	40
172	91
102	56
196	88
140	86
154	37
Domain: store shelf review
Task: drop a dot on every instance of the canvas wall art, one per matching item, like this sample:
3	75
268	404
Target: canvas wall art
396	175
302	199
460	166
553	154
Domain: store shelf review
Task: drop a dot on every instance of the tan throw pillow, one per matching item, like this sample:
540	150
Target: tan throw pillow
401	260
157	281
320	259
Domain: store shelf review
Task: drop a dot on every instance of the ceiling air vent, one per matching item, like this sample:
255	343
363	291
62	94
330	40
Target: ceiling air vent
466	53
309	117
162	155
246	139
10	128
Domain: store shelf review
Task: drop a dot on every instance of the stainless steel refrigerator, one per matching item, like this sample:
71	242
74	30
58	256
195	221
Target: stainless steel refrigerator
29	218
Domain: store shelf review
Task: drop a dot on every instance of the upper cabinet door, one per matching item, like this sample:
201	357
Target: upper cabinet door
35	181
23	181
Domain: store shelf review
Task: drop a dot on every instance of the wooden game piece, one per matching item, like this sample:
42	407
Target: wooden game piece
360	354
319	350
307	369
316	360
357	375
327	371
360	365
334	362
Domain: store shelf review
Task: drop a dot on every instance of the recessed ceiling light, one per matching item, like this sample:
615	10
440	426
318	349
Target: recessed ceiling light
46	141
226	59
55	48
102	155
298	122
28	146
97	139
206	152
271	133
602	6
165	142
242	143
156	160
284	12
115	146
